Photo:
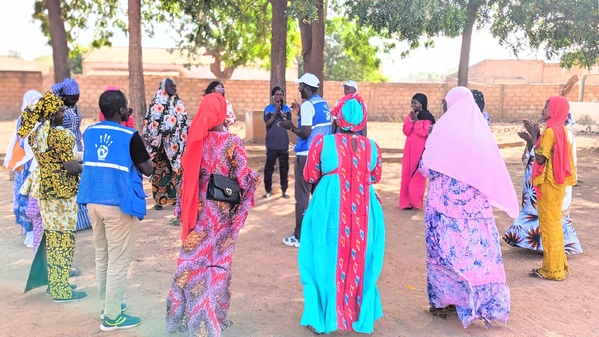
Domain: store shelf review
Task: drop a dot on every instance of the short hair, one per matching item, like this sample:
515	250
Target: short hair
275	89
211	87
111	101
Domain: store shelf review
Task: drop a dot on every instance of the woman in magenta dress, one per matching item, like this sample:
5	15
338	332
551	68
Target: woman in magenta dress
416	128
465	273
343	232
199	298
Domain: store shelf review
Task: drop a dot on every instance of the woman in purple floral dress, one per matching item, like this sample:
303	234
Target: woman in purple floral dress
464	263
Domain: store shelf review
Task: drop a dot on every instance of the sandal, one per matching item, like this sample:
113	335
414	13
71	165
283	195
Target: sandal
311	328
228	324
438	312
158	207
535	273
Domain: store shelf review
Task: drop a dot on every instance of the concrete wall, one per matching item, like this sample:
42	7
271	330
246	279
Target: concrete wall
386	101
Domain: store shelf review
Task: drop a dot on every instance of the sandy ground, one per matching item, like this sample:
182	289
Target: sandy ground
267	293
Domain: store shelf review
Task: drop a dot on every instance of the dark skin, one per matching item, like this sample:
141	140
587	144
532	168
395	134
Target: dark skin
416	108
121	115
277	100
304	131
70	100
534	131
170	87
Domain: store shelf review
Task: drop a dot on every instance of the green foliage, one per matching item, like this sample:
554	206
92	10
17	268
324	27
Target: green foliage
563	28
348	53
236	31
76	59
78	15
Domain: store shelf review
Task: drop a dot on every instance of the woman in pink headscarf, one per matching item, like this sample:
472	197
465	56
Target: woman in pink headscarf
467	176
130	122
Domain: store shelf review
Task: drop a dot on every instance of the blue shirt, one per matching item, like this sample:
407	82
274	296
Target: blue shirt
277	137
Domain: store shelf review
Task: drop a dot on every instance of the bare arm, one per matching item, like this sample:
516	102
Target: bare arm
73	167
145	168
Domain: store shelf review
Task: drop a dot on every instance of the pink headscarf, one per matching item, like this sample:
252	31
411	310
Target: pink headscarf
462	146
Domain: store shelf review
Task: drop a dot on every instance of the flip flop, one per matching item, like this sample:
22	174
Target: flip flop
438	312
228	324
535	273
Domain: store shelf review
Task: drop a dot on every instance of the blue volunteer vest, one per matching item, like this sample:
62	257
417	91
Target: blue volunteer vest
109	176
321	123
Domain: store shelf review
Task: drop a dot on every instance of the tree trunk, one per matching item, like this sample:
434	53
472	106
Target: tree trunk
137	91
58	37
222	75
312	35
278	43
471	12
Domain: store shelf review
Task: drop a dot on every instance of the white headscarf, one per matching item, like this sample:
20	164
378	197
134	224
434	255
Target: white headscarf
29	98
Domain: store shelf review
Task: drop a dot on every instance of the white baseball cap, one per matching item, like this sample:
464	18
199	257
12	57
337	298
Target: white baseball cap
352	84
309	79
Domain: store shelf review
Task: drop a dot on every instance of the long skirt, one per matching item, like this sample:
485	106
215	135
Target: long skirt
555	263
33	212
165	181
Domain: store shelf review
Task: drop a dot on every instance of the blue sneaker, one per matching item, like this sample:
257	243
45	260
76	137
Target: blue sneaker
291	241
122	322
75	296
123	309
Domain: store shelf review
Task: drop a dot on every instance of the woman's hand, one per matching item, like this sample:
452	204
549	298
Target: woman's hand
532	128
414	115
527	138
73	167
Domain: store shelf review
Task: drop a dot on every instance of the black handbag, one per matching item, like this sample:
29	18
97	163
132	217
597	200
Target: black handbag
221	188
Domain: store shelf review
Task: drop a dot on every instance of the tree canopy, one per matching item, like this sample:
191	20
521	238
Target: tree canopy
563	28
348	53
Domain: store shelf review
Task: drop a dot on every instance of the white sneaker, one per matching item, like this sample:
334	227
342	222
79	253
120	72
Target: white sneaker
291	241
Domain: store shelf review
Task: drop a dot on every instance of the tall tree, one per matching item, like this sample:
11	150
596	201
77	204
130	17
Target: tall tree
564	28
348	53
137	96
60	48
278	43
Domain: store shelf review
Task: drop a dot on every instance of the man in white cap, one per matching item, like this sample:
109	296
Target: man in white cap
349	88
314	118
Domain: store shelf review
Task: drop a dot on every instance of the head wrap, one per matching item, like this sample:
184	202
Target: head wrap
462	146
163	83
44	109
212	112
351	113
479	98
30	97
65	88
424	114
558	114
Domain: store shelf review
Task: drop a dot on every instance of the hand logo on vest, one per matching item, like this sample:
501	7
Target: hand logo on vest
102	147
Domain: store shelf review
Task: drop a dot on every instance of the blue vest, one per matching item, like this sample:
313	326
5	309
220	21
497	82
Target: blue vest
321	123
109	176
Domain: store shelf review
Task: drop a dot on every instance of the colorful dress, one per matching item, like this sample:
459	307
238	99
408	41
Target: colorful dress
72	121
52	147
343	236
412	181
525	232
199	299
165	133
555	264
31	189
464	263
19	200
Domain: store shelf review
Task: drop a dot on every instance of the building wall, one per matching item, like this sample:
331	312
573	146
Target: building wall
386	101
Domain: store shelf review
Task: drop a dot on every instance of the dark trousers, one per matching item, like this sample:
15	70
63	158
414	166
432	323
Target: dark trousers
303	189
269	168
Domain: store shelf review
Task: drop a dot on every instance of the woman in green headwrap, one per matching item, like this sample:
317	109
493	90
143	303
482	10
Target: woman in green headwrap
52	147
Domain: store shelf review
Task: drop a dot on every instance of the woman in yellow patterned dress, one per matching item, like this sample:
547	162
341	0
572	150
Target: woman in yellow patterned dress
53	146
553	170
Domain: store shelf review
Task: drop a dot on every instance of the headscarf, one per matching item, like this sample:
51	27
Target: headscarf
479	98
351	113
30	97
45	108
462	146
65	88
424	114
558	114
212	112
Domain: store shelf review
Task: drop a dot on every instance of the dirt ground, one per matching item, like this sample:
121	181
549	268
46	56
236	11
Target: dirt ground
266	289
